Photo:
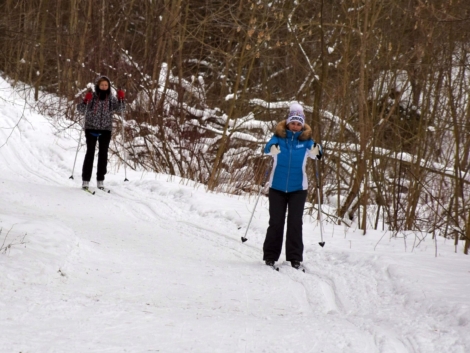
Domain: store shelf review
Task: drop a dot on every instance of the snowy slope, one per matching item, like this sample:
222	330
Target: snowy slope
158	266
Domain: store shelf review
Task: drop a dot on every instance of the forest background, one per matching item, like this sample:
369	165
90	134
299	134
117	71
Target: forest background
385	85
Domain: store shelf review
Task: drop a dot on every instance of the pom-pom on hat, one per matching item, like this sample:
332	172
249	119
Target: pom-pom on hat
296	113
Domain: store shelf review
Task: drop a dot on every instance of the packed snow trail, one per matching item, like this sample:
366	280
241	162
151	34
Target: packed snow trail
157	266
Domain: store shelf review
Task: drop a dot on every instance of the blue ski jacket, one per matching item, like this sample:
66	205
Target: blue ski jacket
288	172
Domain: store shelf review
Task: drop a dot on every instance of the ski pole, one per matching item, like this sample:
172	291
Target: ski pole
322	243
123	145
79	140
266	175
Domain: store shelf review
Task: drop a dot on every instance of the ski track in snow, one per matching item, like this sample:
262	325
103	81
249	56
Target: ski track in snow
157	266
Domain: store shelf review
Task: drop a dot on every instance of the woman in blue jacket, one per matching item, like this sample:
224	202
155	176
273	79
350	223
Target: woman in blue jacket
290	146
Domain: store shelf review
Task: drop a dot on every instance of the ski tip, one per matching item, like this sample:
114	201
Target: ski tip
322	244
88	190
244	239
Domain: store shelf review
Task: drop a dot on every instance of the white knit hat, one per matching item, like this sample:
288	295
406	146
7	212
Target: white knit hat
296	113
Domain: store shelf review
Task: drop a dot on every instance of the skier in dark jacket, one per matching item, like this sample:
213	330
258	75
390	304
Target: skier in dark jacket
290	146
98	108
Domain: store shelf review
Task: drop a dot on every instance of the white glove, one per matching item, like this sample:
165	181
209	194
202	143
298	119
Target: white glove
314	152
274	150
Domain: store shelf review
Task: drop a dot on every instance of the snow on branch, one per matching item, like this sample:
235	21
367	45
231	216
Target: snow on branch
285	105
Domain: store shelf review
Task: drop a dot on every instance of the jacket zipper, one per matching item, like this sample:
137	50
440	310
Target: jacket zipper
290	159
101	120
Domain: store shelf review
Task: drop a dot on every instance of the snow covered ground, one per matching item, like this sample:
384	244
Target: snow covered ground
158	266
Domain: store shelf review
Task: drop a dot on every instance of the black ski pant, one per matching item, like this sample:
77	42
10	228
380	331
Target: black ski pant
279	203
92	136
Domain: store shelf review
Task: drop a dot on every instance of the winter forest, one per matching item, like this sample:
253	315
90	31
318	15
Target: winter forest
385	85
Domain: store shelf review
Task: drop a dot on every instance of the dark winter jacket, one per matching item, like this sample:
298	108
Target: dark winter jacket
99	111
288	172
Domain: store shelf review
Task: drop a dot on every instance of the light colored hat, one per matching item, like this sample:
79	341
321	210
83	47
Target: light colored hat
296	113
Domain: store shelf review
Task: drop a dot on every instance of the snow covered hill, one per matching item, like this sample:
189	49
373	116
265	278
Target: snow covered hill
158	266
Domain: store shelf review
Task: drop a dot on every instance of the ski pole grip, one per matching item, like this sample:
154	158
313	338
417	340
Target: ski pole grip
266	173
265	179
266	176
